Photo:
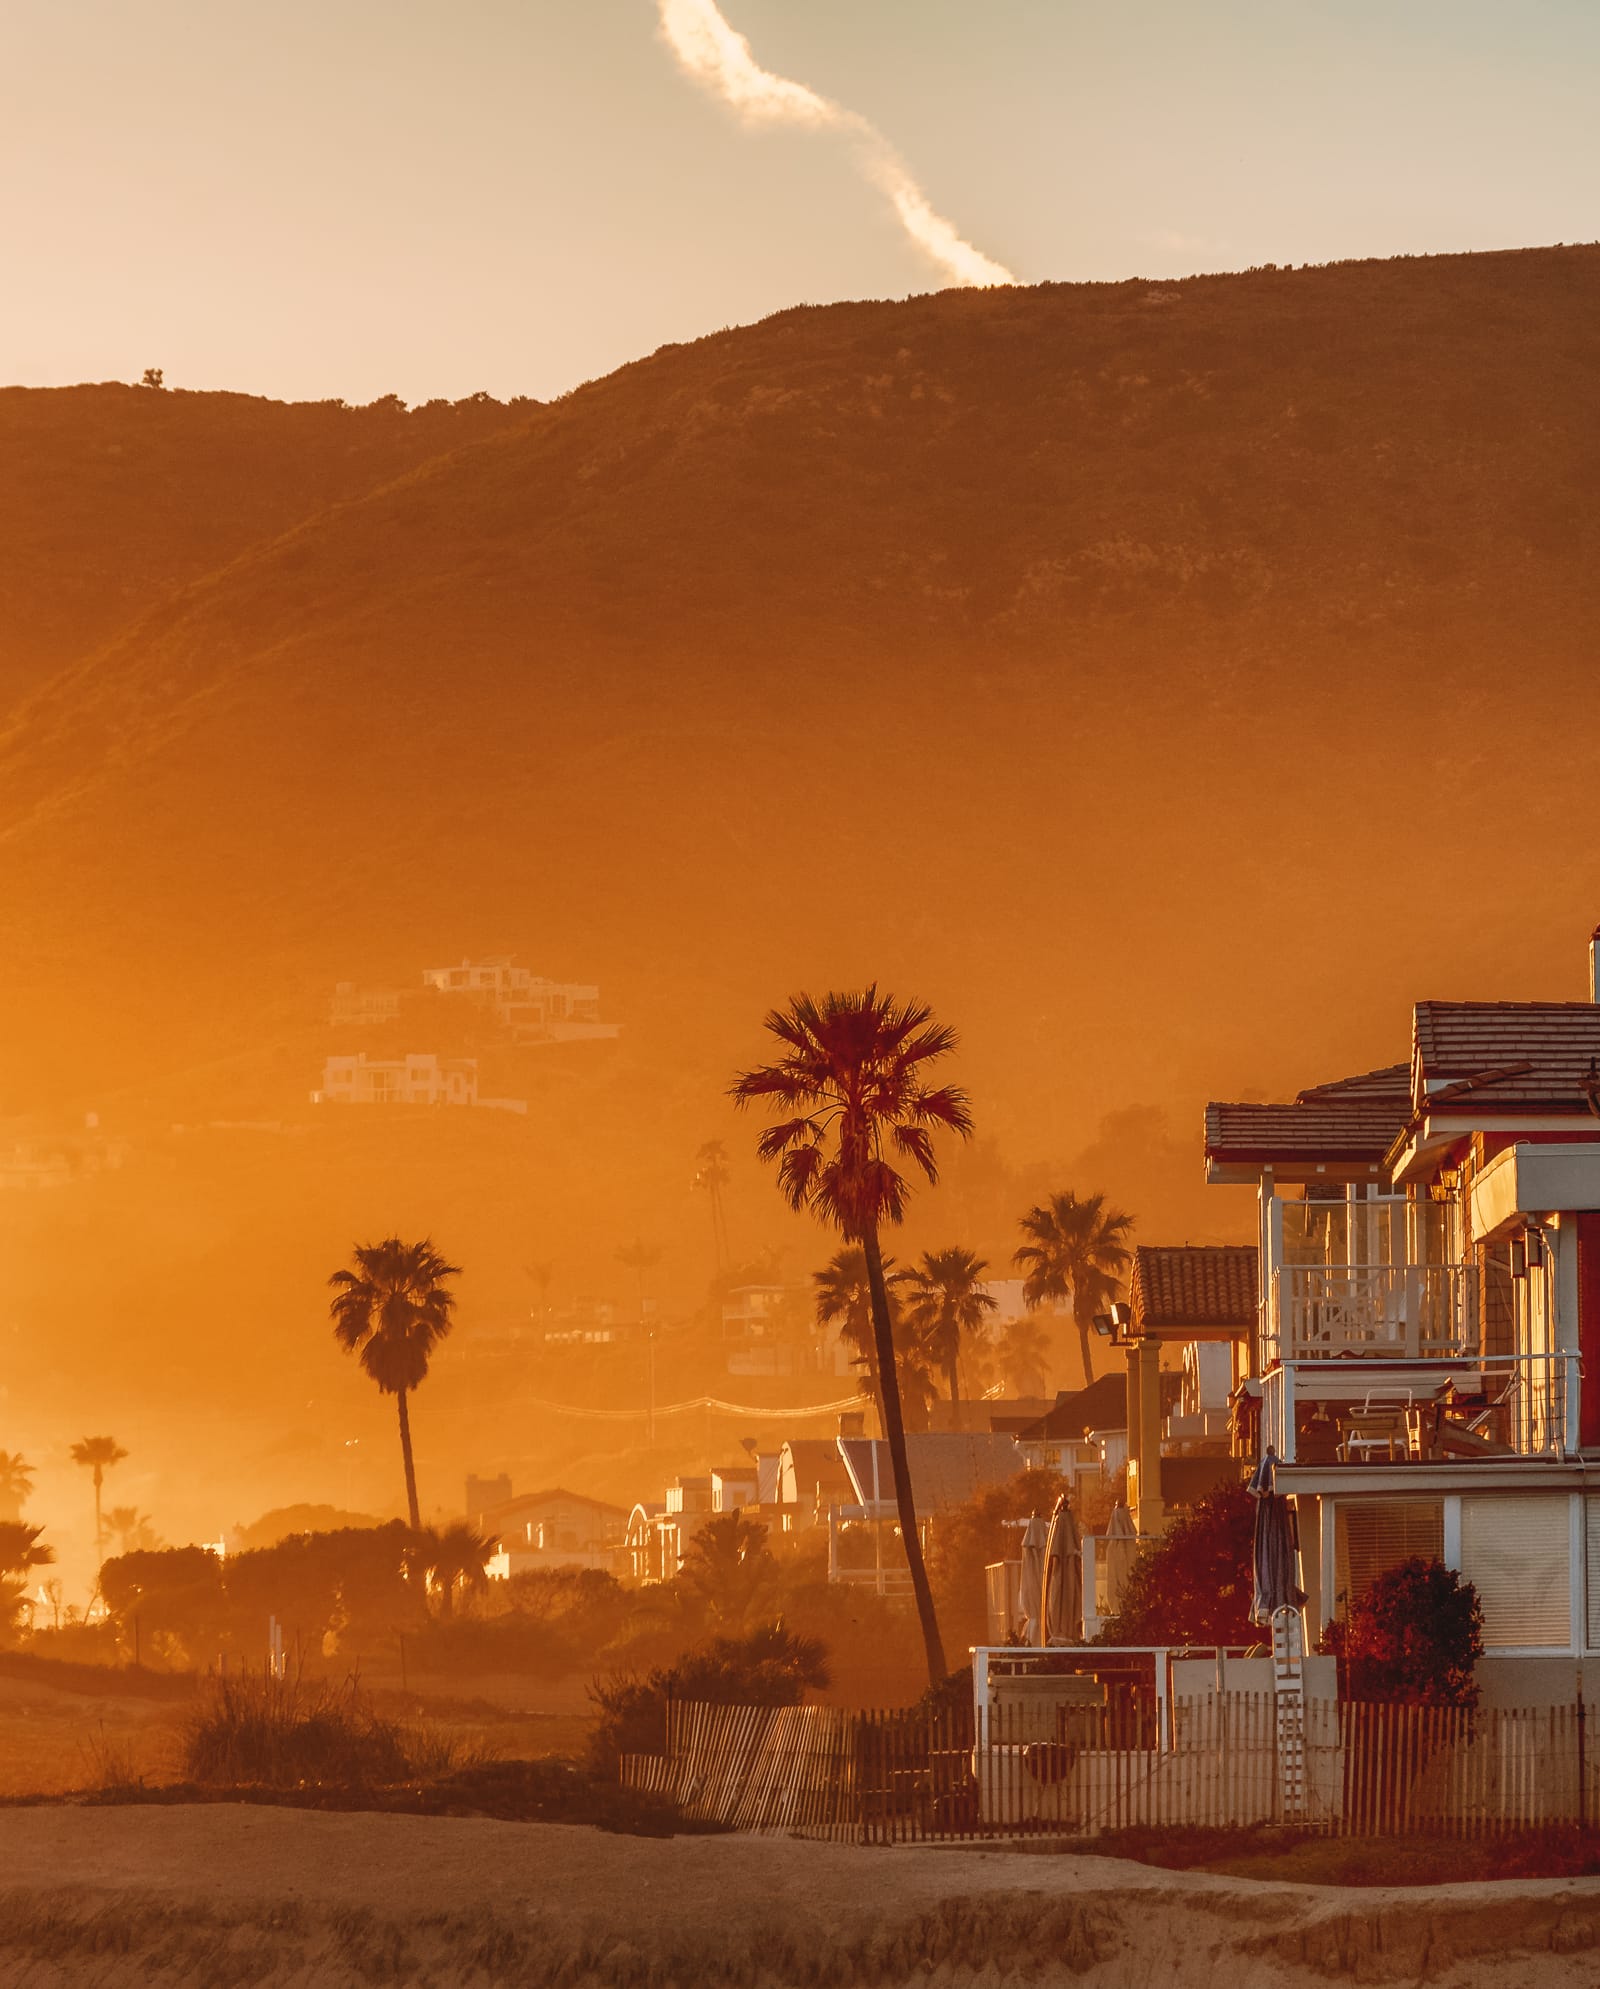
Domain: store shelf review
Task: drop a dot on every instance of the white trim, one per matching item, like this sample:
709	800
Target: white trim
1452	1531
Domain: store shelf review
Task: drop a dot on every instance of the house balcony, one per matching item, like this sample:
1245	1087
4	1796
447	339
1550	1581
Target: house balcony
1411	1312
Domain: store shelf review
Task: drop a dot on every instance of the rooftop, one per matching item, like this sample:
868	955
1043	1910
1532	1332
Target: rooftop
1185	1289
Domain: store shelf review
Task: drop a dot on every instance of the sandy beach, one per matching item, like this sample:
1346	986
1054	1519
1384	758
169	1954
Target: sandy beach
222	1895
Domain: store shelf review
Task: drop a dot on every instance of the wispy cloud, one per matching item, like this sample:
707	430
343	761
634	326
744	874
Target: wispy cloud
719	58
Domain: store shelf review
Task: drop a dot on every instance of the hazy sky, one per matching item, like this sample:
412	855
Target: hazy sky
352	197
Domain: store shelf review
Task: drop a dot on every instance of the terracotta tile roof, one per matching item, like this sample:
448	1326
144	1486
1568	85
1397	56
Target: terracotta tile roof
1361	1130
1393	1081
1194	1285
1506	1053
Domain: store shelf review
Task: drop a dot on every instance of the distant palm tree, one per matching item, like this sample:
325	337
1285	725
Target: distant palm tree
851	1080
1023	1350
393	1309
711	1177
98	1454
1076	1252
16	1482
454	1556
843	1299
946	1305
134	1532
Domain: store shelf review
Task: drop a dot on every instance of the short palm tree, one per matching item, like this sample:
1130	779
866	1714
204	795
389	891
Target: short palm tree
393	1308
98	1454
134	1532
16	1482
21	1552
454	1556
946	1305
851	1086
1076	1252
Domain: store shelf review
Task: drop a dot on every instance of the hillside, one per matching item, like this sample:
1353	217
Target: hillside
1170	682
112	495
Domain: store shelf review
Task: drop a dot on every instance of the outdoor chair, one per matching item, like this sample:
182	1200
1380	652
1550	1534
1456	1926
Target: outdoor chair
1374	1430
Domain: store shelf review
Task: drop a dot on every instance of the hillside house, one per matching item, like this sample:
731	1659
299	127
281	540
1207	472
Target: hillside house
1425	1368
534	1009
552	1529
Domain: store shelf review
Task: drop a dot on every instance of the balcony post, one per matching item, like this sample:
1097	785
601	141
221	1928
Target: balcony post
1287	1434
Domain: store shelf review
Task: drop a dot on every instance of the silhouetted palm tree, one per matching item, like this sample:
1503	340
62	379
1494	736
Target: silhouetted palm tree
1023	1349
851	1078
454	1556
393	1309
1075	1251
16	1482
134	1532
946	1304
844	1299
20	1554
98	1454
711	1177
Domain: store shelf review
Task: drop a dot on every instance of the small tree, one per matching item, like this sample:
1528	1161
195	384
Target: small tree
728	1572
1195	1584
1411	1638
154	378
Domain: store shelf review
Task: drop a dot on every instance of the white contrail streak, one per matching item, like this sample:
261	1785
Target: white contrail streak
716	56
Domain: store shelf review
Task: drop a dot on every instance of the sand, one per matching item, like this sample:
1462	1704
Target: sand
216	1895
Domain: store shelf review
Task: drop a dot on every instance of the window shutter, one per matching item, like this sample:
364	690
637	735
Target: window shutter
1373	1535
1516	1551
1591	1542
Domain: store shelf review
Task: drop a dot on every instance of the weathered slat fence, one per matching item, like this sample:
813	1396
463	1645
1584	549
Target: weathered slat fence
905	1776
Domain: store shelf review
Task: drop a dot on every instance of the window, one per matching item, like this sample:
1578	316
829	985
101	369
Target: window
1373	1535
1516	1551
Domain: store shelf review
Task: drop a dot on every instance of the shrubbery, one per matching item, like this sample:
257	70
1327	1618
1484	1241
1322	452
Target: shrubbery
765	1667
1413	1637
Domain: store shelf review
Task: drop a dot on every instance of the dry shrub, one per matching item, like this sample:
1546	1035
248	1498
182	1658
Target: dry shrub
256	1730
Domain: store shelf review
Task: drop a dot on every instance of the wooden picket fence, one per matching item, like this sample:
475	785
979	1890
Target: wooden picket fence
905	1776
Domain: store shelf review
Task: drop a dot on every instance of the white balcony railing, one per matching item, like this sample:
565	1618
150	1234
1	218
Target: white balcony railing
1505	1405
1382	1311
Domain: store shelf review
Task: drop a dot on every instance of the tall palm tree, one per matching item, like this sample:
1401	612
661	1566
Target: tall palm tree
16	1482
711	1177
393	1309
851	1080
98	1454
1076	1251
946	1305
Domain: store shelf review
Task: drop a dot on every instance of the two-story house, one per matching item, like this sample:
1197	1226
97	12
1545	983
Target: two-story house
1426	1361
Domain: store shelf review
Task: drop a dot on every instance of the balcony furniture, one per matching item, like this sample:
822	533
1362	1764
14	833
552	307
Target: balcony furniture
1378	1429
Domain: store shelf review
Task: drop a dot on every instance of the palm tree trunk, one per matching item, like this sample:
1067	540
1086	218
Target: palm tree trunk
411	1469
99	1524
895	1436
1084	1350
952	1381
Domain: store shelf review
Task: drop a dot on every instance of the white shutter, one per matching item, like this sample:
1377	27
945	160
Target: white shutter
1516	1550
1591	1541
1373	1535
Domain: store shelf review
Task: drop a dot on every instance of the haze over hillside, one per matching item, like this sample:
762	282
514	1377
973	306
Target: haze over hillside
1170	682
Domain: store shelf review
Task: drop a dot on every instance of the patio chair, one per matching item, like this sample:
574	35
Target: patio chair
1377	1428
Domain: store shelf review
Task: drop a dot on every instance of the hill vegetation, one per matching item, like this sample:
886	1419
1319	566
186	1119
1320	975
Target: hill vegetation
1169	682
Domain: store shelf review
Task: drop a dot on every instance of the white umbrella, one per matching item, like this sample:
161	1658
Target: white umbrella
1030	1585
1062	1606
1121	1551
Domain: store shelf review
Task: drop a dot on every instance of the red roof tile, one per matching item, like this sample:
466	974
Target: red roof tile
1194	1285
1507	1053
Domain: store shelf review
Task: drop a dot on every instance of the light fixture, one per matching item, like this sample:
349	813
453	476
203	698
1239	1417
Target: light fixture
1519	1257
1534	1241
1104	1325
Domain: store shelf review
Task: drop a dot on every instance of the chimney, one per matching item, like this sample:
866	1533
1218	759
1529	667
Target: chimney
1594	964
853	1423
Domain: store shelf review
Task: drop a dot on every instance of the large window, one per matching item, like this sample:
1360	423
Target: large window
1516	1550
1372	1535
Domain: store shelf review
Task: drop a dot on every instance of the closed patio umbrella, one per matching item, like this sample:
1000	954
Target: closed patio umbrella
1062	1609
1030	1585
1273	1558
1121	1549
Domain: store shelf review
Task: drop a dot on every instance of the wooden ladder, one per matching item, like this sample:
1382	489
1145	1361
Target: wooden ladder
1289	1699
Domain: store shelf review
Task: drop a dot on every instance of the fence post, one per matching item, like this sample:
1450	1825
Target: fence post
1583	1764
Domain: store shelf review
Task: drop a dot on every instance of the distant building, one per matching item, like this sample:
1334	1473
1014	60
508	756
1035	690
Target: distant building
408	1080
551	1529
353	1007
535	1010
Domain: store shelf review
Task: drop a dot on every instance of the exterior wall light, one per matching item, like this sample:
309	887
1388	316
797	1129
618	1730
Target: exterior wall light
1519	1256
